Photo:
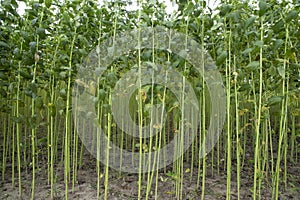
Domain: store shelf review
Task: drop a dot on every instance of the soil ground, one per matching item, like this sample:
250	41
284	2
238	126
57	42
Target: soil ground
125	186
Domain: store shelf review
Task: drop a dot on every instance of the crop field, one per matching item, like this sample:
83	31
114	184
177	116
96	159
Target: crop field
150	99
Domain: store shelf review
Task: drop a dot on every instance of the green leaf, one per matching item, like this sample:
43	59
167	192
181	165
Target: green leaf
63	92
189	8
36	5
101	94
175	63
248	50
221	58
33	22
250	21
83	51
235	16
278	26
253	65
194	27
281	71
4	44
225	8
3	76
295	65
293	14
32	46
197	13
25	35
245	87
25	74
42	140
16	52
48	3
274	100
259	43
41	32
263	7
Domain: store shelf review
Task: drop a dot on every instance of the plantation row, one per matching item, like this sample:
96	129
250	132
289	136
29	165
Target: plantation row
255	47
